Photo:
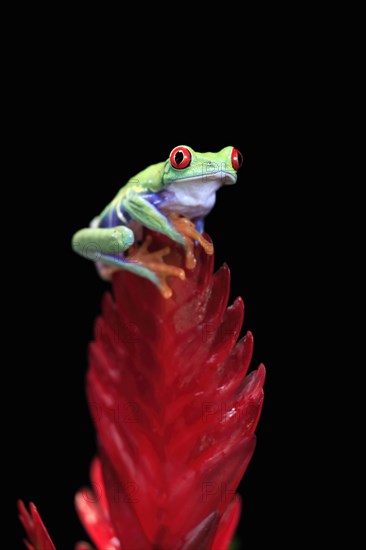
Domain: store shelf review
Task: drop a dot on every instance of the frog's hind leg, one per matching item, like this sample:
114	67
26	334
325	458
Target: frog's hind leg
105	246
93	242
107	265
96	243
140	261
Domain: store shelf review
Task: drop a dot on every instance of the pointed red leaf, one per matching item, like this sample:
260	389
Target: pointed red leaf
95	521
37	534
83	546
227	525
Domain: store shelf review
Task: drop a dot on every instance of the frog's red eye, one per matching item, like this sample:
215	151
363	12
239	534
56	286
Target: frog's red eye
180	157
236	158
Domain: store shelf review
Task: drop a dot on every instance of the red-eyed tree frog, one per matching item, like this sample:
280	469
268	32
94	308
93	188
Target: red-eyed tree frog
172	197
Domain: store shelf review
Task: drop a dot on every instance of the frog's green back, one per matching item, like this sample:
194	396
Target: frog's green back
148	180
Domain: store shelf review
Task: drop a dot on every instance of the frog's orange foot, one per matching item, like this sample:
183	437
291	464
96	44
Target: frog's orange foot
154	261
188	230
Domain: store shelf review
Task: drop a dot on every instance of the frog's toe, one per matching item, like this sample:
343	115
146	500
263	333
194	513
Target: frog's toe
191	235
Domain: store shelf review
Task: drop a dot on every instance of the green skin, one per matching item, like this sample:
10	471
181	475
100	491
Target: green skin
147	199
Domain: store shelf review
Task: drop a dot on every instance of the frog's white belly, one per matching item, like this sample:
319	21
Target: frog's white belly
192	198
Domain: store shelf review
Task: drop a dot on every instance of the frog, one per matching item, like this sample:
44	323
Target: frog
173	198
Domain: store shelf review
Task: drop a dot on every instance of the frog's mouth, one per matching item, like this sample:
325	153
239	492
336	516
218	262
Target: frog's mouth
222	177
195	197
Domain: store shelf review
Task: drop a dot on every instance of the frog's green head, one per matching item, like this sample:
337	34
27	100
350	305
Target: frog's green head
202	168
190	180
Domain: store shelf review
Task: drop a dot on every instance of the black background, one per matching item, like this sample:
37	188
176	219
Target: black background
79	128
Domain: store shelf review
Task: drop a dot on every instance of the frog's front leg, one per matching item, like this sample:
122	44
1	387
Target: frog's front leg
192	234
149	216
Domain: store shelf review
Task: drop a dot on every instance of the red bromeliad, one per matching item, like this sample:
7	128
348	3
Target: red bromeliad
174	411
